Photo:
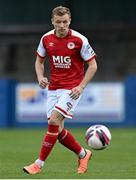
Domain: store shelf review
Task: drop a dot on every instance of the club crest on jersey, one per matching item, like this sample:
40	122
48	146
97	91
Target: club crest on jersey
71	45
51	44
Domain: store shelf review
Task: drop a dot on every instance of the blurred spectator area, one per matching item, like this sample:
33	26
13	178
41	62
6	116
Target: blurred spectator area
109	25
115	47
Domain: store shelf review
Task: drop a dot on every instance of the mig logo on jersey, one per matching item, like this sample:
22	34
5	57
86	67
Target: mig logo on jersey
62	61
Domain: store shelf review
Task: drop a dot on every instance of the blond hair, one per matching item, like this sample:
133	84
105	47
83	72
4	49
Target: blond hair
60	11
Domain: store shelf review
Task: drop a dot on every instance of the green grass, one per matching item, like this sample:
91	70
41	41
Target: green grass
20	147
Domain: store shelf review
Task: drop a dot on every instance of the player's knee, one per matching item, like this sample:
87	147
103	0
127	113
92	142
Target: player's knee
53	122
55	118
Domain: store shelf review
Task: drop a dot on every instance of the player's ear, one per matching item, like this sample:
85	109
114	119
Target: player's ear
70	20
52	20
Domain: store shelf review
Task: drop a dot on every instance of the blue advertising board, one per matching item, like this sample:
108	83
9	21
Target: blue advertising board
24	104
101	102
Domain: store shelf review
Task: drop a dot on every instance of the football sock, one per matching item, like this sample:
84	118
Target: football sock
49	141
40	163
67	140
82	153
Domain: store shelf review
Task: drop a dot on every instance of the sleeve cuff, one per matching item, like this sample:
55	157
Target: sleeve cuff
42	57
93	57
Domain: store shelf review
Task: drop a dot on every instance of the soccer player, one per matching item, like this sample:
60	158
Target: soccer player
68	51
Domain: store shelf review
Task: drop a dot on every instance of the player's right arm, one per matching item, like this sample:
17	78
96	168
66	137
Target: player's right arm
39	68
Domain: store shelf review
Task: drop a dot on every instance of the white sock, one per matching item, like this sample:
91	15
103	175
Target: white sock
82	153
40	163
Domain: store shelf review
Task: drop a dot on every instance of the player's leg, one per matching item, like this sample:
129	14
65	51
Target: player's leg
84	155
67	106
49	141
67	139
51	135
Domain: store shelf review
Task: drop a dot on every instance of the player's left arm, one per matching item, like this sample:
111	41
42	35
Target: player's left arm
91	70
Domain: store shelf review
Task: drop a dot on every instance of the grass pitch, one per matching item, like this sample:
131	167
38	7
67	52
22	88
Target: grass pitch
19	147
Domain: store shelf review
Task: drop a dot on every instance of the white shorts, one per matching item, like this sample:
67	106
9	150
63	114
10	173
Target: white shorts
60	101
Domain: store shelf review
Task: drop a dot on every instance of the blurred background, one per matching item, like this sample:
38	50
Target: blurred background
110	27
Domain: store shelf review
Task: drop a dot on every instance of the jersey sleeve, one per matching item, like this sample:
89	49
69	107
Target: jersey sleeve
87	53
41	51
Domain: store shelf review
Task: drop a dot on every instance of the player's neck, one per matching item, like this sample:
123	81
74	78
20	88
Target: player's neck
62	35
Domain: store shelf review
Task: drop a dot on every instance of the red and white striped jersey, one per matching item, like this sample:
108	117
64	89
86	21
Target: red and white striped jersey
67	57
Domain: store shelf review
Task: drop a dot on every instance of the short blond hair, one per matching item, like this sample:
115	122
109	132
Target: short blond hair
60	11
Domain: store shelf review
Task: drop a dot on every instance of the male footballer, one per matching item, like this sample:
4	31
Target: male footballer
68	51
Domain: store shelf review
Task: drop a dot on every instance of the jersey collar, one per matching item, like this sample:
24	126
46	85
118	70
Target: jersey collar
69	34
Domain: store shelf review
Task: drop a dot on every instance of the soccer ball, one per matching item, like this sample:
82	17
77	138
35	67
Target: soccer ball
98	137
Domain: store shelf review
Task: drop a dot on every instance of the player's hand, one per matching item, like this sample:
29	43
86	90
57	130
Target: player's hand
43	82
76	92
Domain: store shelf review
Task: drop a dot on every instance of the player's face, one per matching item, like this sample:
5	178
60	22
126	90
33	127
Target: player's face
61	24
